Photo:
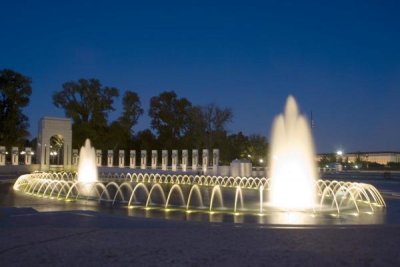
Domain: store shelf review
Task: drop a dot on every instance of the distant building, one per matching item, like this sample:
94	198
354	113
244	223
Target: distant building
381	157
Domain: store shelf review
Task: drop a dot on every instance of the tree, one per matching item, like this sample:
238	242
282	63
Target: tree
15	90
169	117
234	148
215	119
146	140
88	103
195	134
131	110
256	149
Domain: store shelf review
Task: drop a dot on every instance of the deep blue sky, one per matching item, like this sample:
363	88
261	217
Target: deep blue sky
340	59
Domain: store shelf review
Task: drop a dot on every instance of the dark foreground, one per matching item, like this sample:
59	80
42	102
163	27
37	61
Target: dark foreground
86	238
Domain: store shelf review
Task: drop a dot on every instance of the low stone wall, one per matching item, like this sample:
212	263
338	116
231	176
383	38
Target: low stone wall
19	169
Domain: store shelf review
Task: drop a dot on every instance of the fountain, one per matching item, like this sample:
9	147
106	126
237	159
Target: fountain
87	169
291	189
293	170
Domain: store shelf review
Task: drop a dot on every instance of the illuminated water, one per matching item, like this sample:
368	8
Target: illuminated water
293	170
87	169
293	190
391	215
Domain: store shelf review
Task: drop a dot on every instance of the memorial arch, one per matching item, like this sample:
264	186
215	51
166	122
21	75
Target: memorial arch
54	131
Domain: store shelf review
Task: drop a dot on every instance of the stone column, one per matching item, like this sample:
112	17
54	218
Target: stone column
110	158
184	159
174	160
14	155
28	156
75	157
164	160
205	161
121	158
3	154
195	159
215	160
154	159
143	159
132	159
98	157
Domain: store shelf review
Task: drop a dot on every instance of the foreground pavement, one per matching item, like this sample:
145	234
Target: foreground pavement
85	238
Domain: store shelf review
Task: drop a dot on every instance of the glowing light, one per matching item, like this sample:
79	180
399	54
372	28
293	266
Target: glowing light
339	153
87	170
293	170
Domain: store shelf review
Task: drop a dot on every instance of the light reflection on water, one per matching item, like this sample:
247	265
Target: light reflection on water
10	198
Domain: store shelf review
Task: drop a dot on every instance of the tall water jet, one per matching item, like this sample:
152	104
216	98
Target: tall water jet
87	169
292	165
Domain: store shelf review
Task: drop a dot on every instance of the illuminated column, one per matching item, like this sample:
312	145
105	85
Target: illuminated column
195	159
110	158
154	156
184	159
28	155
174	159
143	159
75	157
121	157
205	161
98	157
3	154
215	160
14	155
132	159
164	160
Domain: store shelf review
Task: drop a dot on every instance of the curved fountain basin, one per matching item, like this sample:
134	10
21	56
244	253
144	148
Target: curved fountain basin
205	194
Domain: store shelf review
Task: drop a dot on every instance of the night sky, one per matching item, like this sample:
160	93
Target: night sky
340	59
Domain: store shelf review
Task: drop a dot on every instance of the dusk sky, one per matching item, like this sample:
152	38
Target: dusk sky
340	59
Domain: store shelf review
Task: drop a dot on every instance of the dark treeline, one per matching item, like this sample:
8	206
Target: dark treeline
176	123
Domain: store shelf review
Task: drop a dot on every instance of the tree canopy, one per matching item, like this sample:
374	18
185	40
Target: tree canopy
15	90
86	101
169	117
89	103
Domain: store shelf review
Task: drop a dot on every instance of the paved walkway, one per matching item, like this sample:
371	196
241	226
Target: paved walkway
83	238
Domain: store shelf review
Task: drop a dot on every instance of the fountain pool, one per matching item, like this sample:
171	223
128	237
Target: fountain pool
291	192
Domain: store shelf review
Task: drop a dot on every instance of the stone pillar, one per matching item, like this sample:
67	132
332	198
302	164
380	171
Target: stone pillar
110	158
154	159
195	159
28	156
14	155
215	160
98	157
164	160
121	158
143	159
3	154
205	161
174	160
184	159
132	159
75	157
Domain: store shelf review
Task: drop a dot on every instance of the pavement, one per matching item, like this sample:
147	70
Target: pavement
87	238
